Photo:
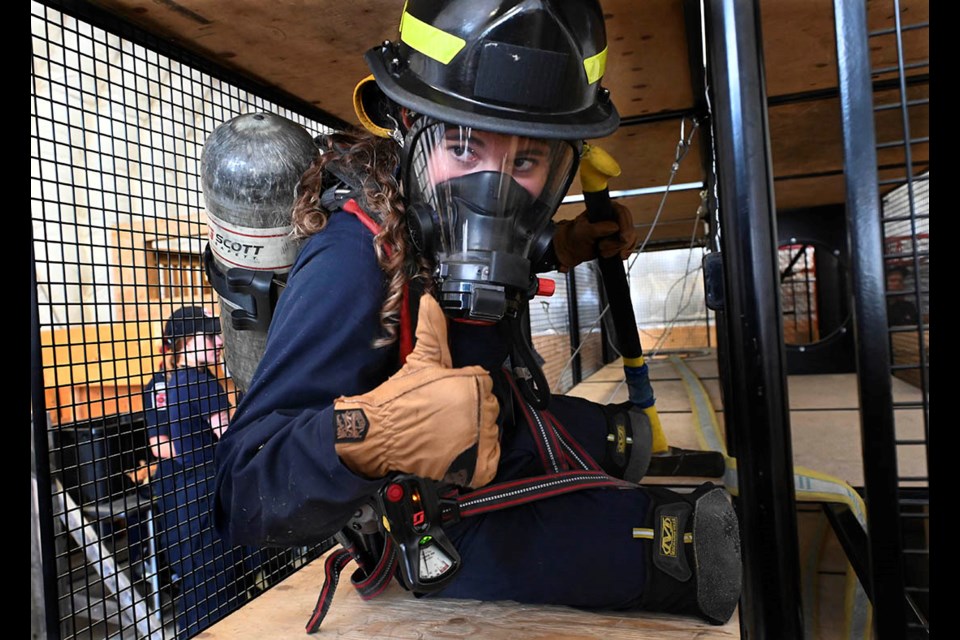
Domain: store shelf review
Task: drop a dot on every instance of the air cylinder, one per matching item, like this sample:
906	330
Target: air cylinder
250	168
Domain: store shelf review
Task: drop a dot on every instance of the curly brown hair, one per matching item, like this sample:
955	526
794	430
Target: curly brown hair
374	160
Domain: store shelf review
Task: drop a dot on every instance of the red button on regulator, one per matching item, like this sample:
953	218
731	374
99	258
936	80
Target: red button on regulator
545	287
394	493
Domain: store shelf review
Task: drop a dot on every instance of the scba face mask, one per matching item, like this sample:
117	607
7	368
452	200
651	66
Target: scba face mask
480	205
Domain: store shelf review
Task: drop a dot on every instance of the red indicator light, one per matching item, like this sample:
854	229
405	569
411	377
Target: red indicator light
394	493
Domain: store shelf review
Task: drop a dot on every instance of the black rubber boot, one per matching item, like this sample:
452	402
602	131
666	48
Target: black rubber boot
695	564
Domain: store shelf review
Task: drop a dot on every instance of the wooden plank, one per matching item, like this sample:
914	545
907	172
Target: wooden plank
798	42
282	612
805	137
606	387
824	416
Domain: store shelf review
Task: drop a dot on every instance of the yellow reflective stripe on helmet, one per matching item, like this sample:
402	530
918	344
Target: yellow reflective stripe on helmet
428	40
595	66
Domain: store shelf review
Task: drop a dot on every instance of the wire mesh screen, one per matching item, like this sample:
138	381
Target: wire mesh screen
906	239
798	293
569	360
550	333
906	227
905	221
590	345
119	227
666	288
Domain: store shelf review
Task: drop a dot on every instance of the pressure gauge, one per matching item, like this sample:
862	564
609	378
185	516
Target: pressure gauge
412	516
434	562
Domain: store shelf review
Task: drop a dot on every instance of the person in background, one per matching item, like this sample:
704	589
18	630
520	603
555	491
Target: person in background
211	576
901	309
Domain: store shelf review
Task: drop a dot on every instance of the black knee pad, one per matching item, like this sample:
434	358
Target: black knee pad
629	442
696	564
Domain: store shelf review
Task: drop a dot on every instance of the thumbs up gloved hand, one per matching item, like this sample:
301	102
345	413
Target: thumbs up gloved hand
427	419
579	240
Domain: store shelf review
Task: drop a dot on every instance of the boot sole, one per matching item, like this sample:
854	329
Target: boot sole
716	548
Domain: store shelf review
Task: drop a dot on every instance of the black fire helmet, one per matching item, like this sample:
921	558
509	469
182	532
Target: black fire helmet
523	67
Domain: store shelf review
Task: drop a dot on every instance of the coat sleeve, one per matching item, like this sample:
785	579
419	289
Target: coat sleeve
279	480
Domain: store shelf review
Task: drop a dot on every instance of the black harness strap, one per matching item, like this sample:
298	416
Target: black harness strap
368	586
548	444
332	568
574	453
516	492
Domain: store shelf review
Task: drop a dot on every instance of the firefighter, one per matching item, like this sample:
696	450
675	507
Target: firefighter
396	346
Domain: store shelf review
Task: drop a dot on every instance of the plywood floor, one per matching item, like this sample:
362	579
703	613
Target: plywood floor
824	414
282	612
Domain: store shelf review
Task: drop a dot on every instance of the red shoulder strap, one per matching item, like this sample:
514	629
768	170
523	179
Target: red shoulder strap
406	325
351	206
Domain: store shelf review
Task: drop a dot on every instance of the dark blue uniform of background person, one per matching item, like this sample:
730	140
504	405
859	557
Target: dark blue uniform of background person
157	420
210	573
155	411
280	481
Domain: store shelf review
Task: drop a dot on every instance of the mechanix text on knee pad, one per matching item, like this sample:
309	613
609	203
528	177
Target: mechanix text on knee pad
629	442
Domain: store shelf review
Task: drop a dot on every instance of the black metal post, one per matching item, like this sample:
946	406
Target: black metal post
693	27
852	538
573	320
870	318
757	412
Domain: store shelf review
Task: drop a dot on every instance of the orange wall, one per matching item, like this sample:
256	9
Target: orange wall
99	370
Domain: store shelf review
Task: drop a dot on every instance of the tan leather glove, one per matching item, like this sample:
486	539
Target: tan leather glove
427	419
579	240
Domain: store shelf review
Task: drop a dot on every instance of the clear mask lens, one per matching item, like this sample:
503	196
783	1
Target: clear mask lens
490	191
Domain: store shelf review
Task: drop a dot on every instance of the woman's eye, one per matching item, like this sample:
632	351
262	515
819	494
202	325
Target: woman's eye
462	153
524	164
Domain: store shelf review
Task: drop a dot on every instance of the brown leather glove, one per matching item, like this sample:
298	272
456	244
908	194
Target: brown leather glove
579	240
427	419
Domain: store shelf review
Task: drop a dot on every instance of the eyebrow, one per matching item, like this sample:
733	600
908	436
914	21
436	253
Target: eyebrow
535	149
454	135
533	146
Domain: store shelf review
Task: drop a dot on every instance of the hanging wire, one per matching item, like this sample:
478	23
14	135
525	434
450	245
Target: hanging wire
653	352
